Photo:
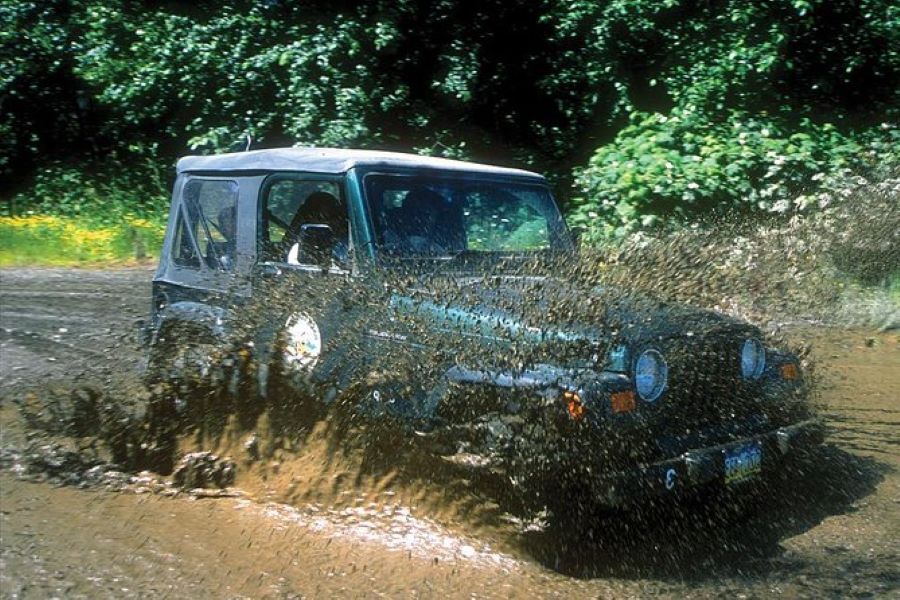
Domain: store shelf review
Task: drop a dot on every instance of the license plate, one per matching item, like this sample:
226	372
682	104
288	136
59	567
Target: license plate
743	463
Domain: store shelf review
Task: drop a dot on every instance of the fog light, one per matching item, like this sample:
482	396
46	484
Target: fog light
651	374
574	405
622	401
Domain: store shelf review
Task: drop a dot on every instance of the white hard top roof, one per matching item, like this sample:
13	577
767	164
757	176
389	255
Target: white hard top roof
332	160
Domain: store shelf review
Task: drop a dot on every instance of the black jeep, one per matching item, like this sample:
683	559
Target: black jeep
448	297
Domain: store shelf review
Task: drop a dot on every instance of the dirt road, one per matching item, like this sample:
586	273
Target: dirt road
833	531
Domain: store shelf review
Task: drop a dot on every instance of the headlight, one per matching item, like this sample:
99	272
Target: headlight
753	359
650	375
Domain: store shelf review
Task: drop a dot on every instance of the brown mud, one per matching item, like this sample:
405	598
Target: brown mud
317	521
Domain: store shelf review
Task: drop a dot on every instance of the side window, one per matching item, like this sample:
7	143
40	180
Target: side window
207	226
183	252
291	204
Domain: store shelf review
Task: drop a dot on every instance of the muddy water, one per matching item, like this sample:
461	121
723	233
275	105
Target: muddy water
313	522
58	541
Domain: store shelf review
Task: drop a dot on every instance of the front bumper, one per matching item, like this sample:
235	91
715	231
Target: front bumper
703	465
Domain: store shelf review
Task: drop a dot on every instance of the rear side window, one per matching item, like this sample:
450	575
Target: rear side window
206	232
184	253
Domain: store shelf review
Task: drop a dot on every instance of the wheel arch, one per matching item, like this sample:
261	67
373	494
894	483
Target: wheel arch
197	317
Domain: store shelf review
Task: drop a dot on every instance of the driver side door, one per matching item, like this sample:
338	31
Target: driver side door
311	311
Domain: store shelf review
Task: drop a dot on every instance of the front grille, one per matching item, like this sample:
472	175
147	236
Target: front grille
705	383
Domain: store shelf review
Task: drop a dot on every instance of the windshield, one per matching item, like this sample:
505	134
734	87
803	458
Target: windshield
420	217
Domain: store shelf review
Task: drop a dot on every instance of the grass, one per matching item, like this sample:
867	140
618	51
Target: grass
43	240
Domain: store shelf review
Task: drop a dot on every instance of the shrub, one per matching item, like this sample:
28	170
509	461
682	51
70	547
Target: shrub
100	194
89	214
48	240
687	166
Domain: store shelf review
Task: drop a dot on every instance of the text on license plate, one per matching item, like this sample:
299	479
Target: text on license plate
743	462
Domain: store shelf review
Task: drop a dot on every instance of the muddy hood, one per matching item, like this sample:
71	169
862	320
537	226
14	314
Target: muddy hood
540	317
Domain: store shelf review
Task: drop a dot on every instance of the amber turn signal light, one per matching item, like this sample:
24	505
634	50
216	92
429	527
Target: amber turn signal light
789	371
622	401
574	405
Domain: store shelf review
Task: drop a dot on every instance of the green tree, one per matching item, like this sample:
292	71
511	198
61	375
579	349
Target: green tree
669	108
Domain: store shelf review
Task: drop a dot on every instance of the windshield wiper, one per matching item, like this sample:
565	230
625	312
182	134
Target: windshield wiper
445	261
462	255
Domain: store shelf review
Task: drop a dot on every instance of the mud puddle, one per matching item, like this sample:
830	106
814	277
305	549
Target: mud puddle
56	541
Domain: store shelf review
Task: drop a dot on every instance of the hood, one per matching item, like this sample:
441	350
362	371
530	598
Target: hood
541	316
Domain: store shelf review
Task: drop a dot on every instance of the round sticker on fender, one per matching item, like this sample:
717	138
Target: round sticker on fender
303	342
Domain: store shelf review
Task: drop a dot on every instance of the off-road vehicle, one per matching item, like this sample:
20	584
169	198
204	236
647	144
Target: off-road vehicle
448	297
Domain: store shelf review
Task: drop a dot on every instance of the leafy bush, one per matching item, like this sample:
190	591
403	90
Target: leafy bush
672	108
39	93
75	215
97	194
380	74
48	240
687	165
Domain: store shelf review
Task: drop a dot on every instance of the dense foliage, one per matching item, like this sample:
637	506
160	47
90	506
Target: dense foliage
766	99
663	108
689	166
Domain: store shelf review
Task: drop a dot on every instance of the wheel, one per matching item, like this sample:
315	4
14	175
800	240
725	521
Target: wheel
294	401
187	375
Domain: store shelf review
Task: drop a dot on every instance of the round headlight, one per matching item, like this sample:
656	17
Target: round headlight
650	375
753	359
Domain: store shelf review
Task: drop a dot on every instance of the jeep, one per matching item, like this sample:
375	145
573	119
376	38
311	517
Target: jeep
447	297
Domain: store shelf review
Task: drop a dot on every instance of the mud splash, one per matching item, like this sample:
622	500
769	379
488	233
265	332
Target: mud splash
781	273
346	474
387	523
831	259
827	529
295	449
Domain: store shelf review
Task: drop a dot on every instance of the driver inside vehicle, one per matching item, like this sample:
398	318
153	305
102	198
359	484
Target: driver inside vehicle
319	208
423	225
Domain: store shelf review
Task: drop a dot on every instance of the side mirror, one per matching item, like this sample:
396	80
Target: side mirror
317	243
